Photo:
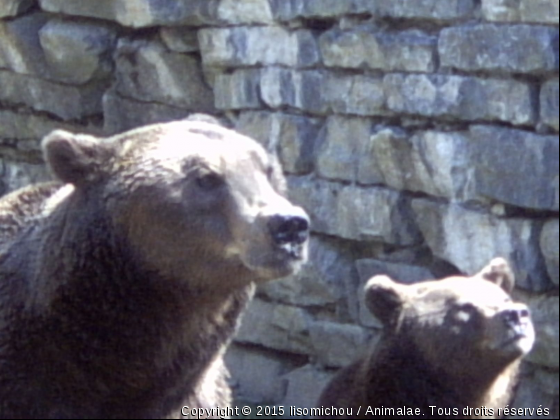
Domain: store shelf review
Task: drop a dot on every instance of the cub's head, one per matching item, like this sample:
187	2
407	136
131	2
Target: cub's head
460	325
188	194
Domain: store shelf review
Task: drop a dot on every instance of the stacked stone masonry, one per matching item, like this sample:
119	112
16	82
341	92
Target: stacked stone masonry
421	136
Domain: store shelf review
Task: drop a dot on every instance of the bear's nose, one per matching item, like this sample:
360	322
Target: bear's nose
514	317
289	229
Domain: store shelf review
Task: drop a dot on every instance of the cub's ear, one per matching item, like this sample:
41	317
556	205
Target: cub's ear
385	298
499	271
75	158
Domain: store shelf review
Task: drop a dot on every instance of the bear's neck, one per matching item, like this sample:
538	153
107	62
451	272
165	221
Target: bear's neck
135	332
405	378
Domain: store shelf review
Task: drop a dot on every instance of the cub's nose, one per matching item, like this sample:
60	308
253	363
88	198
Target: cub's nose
291	228
516	317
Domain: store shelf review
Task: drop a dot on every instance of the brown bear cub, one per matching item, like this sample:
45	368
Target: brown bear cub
450	347
122	284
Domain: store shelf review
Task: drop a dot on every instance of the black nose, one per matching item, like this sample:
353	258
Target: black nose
288	229
513	317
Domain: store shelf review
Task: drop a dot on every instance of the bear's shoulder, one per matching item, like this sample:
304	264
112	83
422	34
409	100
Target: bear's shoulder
20	208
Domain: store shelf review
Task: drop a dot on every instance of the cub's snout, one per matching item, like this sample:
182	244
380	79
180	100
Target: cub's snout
516	318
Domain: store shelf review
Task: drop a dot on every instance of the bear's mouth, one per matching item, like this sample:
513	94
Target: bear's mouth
279	261
291	250
519	339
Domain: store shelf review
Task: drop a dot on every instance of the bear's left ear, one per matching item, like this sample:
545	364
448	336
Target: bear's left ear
74	158
499	271
384	298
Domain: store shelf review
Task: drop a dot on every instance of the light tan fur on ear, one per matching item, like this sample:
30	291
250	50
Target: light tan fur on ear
385	298
499	271
74	158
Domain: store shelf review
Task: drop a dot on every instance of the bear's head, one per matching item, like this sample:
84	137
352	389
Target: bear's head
187	195
460	326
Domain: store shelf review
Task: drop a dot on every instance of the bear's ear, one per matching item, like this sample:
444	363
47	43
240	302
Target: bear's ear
74	158
499	271
384	298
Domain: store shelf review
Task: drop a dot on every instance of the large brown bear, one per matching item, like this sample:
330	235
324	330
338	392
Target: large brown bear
450	347
122	284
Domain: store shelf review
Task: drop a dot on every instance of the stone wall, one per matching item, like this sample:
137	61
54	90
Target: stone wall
421	136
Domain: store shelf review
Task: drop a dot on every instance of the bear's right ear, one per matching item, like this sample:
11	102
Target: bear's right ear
499	271
384	298
74	158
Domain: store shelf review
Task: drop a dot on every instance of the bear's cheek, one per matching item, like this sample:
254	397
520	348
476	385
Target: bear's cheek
454	333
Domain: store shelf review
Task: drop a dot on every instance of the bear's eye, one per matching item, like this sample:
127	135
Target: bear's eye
209	181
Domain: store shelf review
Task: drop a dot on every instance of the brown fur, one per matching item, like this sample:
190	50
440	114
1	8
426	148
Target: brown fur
448	344
122	285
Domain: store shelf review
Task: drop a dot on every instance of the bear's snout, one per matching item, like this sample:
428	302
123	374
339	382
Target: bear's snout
517	319
289	228
518	333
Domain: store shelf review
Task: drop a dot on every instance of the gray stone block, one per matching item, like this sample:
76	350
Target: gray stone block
369	169
318	92
432	10
21	126
140	13
146	71
296	145
351	212
261	126
461	98
549	104
239	90
374	214
469	239
10	8
337	345
548	381
549	248
355	95
257	374
122	114
320	199
245	12
292	137
276	326
15	175
321	281
497	48
181	39
305	386
515	167
367	47
78	52
431	162
286	10
533	396
342	151
65	101
540	11
403	273
545	314
301	90
533	11
20	49
262	45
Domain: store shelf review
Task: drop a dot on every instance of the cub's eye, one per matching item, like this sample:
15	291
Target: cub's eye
269	172
467	307
209	181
